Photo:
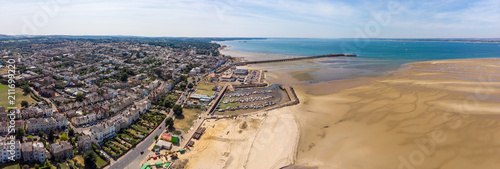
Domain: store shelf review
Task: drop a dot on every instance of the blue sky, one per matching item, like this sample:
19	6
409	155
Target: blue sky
254	18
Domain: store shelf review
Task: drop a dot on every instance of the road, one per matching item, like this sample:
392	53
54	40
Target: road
133	158
125	161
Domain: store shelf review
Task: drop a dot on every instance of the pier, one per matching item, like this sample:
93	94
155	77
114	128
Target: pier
293	59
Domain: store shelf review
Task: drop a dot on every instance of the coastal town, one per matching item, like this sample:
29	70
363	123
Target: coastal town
120	102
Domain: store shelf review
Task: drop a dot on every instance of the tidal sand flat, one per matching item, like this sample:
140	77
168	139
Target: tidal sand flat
436	114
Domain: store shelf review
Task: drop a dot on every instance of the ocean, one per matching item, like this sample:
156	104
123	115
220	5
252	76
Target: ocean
374	57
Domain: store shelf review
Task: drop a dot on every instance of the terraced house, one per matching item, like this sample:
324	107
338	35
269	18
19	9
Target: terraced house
45	124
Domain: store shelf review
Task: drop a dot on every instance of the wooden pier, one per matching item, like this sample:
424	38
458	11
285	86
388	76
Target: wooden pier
293	59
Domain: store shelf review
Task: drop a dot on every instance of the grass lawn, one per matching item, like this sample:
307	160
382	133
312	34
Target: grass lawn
64	166
203	86
4	100
185	123
224	106
205	92
79	158
173	96
100	162
10	165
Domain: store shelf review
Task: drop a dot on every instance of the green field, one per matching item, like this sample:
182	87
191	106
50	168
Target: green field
224	106
186	122
205	89
209	93
203	86
100	162
4	97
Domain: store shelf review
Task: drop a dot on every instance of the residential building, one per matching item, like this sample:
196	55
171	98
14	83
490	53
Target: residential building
62	150
102	132
10	150
39	152
84	143
27	151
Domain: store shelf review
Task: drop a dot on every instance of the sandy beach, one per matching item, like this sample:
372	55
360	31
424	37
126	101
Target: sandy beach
266	140
436	114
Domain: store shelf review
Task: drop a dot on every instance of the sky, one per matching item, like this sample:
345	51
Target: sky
254	18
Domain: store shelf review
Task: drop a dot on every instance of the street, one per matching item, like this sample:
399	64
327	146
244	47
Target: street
125	161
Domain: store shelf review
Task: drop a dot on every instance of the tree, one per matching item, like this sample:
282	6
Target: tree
183	78
40	134
169	122
177	110
64	137
30	138
26	89
47	164
60	86
90	159
52	131
59	166
156	137
168	103
24	103
124	77
71	132
182	86
190	85
20	133
57	102
79	97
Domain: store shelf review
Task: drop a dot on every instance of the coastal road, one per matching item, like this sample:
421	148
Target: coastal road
125	161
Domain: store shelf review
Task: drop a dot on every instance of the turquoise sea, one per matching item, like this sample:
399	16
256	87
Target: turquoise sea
374	57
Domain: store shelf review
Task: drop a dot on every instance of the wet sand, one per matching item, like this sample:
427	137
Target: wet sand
439	114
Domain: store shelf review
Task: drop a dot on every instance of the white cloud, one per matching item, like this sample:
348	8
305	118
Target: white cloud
279	18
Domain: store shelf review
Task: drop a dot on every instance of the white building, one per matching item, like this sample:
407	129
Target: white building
103	132
10	150
39	152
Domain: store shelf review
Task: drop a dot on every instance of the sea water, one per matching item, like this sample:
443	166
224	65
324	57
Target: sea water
374	57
